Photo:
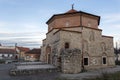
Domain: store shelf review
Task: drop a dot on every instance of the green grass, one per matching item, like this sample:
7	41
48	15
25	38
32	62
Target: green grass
117	62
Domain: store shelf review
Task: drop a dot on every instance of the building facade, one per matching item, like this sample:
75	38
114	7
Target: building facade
74	42
33	55
21	52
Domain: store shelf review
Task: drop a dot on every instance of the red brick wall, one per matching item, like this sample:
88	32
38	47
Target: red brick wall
60	21
73	20
89	21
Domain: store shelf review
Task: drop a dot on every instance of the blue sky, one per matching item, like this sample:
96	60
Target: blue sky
24	21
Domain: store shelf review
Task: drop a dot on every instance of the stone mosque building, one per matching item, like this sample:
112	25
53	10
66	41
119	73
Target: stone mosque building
74	42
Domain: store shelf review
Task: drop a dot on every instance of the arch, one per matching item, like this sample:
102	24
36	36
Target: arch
104	59
48	52
104	54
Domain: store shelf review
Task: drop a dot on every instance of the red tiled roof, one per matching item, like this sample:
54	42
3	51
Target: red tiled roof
72	11
34	51
8	51
23	49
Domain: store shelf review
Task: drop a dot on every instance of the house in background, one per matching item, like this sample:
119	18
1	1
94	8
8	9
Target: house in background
33	55
21	51
13	52
8	55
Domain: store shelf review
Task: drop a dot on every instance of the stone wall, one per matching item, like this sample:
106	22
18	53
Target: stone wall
73	38
92	44
109	50
51	40
71	60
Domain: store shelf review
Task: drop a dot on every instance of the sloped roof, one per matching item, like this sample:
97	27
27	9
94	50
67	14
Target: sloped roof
7	51
34	51
72	11
23	49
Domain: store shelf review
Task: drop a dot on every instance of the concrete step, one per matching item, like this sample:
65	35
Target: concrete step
32	69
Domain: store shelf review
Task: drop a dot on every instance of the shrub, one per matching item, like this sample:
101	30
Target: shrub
2	61
117	62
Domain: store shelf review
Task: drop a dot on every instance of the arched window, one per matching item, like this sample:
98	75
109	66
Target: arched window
104	60
67	45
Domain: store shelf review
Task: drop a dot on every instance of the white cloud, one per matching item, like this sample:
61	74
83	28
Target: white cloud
111	18
110	23
30	38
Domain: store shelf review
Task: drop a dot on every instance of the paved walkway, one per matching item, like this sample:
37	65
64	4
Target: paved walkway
91	74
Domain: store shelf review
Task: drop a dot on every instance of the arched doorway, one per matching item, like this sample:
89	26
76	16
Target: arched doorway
48	52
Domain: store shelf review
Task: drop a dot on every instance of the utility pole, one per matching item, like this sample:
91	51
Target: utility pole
16	56
116	51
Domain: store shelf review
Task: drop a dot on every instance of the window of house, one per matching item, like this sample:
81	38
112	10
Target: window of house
104	60
6	55
27	57
3	55
11	55
85	61
66	45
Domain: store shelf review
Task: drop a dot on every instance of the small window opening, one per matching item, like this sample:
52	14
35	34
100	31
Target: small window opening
66	45
104	60
85	61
